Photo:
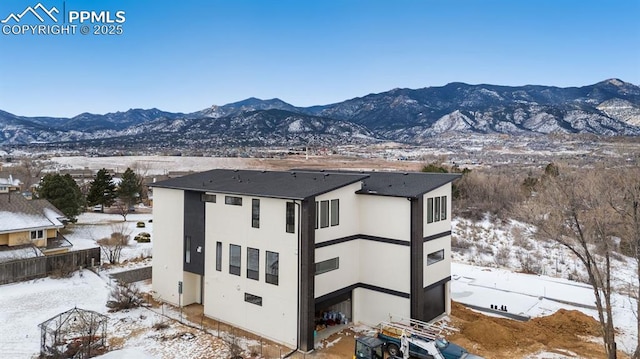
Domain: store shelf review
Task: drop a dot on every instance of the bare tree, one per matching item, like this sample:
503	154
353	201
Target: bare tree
493	192
112	246
122	208
572	210
30	171
624	198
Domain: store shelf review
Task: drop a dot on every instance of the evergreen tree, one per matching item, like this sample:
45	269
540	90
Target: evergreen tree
102	190
129	189
62	192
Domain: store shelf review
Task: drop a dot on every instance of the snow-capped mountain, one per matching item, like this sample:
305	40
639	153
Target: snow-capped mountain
610	107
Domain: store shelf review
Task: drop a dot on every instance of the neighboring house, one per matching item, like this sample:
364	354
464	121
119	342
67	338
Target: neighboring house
9	184
270	251
31	222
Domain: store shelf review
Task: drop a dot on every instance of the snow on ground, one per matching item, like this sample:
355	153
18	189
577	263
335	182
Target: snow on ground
94	226
25	305
510	244
488	255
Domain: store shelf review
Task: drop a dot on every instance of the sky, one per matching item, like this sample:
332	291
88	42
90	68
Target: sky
184	56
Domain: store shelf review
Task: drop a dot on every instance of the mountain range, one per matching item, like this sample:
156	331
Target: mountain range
610	108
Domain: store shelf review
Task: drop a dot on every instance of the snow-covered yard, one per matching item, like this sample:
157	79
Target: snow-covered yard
94	226
25	305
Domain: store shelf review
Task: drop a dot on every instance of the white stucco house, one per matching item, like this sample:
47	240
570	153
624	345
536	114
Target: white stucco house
266	251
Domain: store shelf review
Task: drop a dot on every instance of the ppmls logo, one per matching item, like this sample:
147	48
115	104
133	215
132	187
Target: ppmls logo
34	11
41	20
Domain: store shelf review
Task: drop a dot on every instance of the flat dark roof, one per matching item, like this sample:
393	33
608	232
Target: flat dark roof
303	183
405	184
398	184
276	184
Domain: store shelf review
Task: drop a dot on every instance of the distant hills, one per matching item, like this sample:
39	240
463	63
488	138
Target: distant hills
610	108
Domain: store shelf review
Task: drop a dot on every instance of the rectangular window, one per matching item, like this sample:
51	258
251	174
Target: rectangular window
234	259
290	217
435	257
317	214
335	212
187	249
429	210
324	214
253	299
328	265
255	213
253	263
39	234
234	201
219	256
271	268
436	210
443	208
206	197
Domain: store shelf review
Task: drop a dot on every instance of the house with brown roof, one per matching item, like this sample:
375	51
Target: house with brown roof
31	223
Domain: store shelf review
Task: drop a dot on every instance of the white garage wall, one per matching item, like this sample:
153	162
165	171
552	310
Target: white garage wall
371	307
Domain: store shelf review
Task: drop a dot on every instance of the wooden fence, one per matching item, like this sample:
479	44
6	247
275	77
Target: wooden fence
38	267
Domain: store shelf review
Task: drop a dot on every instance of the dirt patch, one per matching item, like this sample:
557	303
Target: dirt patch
565	330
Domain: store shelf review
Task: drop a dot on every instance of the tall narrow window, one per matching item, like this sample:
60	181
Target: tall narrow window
335	212
219	256
255	213
253	259
187	249
272	268
317	214
234	259
290	217
429	210
436	210
443	208
324	214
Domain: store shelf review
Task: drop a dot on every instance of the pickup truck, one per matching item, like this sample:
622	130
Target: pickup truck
447	350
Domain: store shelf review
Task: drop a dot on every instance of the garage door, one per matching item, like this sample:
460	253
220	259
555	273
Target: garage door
433	302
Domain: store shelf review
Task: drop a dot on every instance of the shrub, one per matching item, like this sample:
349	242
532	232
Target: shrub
124	296
140	224
502	256
143	237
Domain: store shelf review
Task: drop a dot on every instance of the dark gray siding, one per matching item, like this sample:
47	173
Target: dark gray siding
194	215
